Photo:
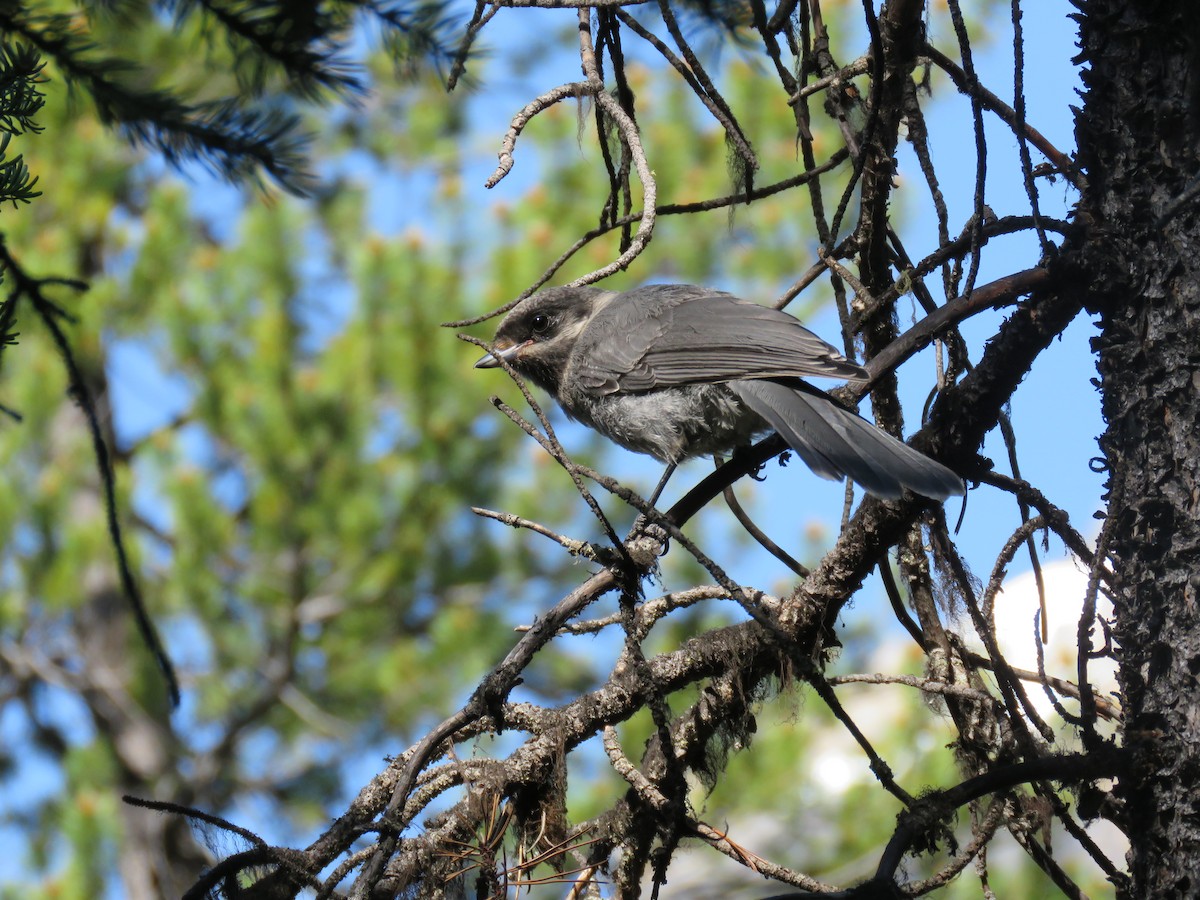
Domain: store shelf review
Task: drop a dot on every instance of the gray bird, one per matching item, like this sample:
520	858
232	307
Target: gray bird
678	371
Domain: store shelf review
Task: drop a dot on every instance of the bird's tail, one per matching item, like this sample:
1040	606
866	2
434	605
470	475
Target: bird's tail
836	443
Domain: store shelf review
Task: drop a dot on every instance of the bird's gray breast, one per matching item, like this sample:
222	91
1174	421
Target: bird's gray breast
670	424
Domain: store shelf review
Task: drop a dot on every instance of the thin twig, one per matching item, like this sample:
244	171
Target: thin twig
692	75
928	685
629	133
757	533
1007	114
669	209
49	312
521	119
479	18
574	547
860	66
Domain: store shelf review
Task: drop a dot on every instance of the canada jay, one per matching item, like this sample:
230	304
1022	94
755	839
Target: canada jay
678	371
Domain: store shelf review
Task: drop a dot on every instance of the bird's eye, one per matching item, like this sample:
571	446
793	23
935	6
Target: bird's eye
540	323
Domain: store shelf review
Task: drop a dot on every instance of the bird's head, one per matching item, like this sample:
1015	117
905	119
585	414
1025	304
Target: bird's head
538	334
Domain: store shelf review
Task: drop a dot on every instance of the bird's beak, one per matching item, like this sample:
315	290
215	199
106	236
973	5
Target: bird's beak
499	352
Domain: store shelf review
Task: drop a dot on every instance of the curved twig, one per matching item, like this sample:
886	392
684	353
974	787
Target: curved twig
629	133
538	104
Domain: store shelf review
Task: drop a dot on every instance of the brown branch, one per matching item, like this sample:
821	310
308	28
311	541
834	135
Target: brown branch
1001	292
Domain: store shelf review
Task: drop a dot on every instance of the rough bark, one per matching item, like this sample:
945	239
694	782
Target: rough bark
1139	135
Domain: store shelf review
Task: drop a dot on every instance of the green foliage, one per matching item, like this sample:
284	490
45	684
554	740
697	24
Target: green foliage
20	100
242	127
301	514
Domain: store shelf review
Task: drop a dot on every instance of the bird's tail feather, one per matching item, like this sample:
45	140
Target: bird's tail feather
836	443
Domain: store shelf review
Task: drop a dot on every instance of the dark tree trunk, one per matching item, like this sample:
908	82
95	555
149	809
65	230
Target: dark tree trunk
1139	144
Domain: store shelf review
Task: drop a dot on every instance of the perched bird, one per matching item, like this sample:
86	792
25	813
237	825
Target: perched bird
678	371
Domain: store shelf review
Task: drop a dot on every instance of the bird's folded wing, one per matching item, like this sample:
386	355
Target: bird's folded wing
643	341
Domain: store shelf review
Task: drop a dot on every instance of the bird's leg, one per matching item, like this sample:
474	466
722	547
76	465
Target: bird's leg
662	483
742	450
643	526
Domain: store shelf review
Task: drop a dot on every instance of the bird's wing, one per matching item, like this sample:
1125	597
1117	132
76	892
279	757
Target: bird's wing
670	335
